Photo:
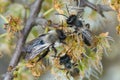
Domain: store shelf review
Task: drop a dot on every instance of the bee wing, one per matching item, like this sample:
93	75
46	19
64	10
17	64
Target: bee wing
36	47
87	37
36	50
30	45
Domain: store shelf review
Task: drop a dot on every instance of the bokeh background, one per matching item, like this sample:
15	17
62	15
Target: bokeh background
19	10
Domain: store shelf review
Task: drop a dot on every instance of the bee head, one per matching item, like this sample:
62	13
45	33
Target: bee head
71	20
61	34
64	59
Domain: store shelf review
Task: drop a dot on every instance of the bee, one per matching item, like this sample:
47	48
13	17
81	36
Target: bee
80	28
41	45
69	66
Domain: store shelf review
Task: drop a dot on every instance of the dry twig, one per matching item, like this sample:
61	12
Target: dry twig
98	8
34	11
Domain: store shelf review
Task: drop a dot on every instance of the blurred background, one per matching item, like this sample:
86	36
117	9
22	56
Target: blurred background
15	13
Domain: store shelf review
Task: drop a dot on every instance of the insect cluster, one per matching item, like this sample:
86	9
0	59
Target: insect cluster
76	51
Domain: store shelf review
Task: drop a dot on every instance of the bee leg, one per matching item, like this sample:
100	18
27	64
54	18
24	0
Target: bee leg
44	54
55	50
63	42
75	64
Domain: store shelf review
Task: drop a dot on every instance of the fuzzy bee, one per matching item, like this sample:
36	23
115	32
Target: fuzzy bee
41	45
69	66
79	28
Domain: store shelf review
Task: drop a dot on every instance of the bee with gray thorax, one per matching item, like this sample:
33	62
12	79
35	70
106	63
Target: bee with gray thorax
69	66
43	44
79	27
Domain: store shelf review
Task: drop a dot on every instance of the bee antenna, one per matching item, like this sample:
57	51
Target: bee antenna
67	9
78	14
61	14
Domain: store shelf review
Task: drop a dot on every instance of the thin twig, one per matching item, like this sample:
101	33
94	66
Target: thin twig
98	8
35	9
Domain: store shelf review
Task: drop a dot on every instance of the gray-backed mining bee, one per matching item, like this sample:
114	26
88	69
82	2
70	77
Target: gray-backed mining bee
69	65
80	28
43	43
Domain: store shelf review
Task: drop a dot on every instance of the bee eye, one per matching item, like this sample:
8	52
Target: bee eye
71	19
61	34
62	37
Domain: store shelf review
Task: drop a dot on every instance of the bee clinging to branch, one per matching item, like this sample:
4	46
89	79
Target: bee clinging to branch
69	65
64	61
79	27
43	44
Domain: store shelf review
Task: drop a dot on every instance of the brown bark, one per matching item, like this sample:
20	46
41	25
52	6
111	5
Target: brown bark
34	11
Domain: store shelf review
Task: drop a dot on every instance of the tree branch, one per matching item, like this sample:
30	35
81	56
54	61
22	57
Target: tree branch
98	8
35	9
